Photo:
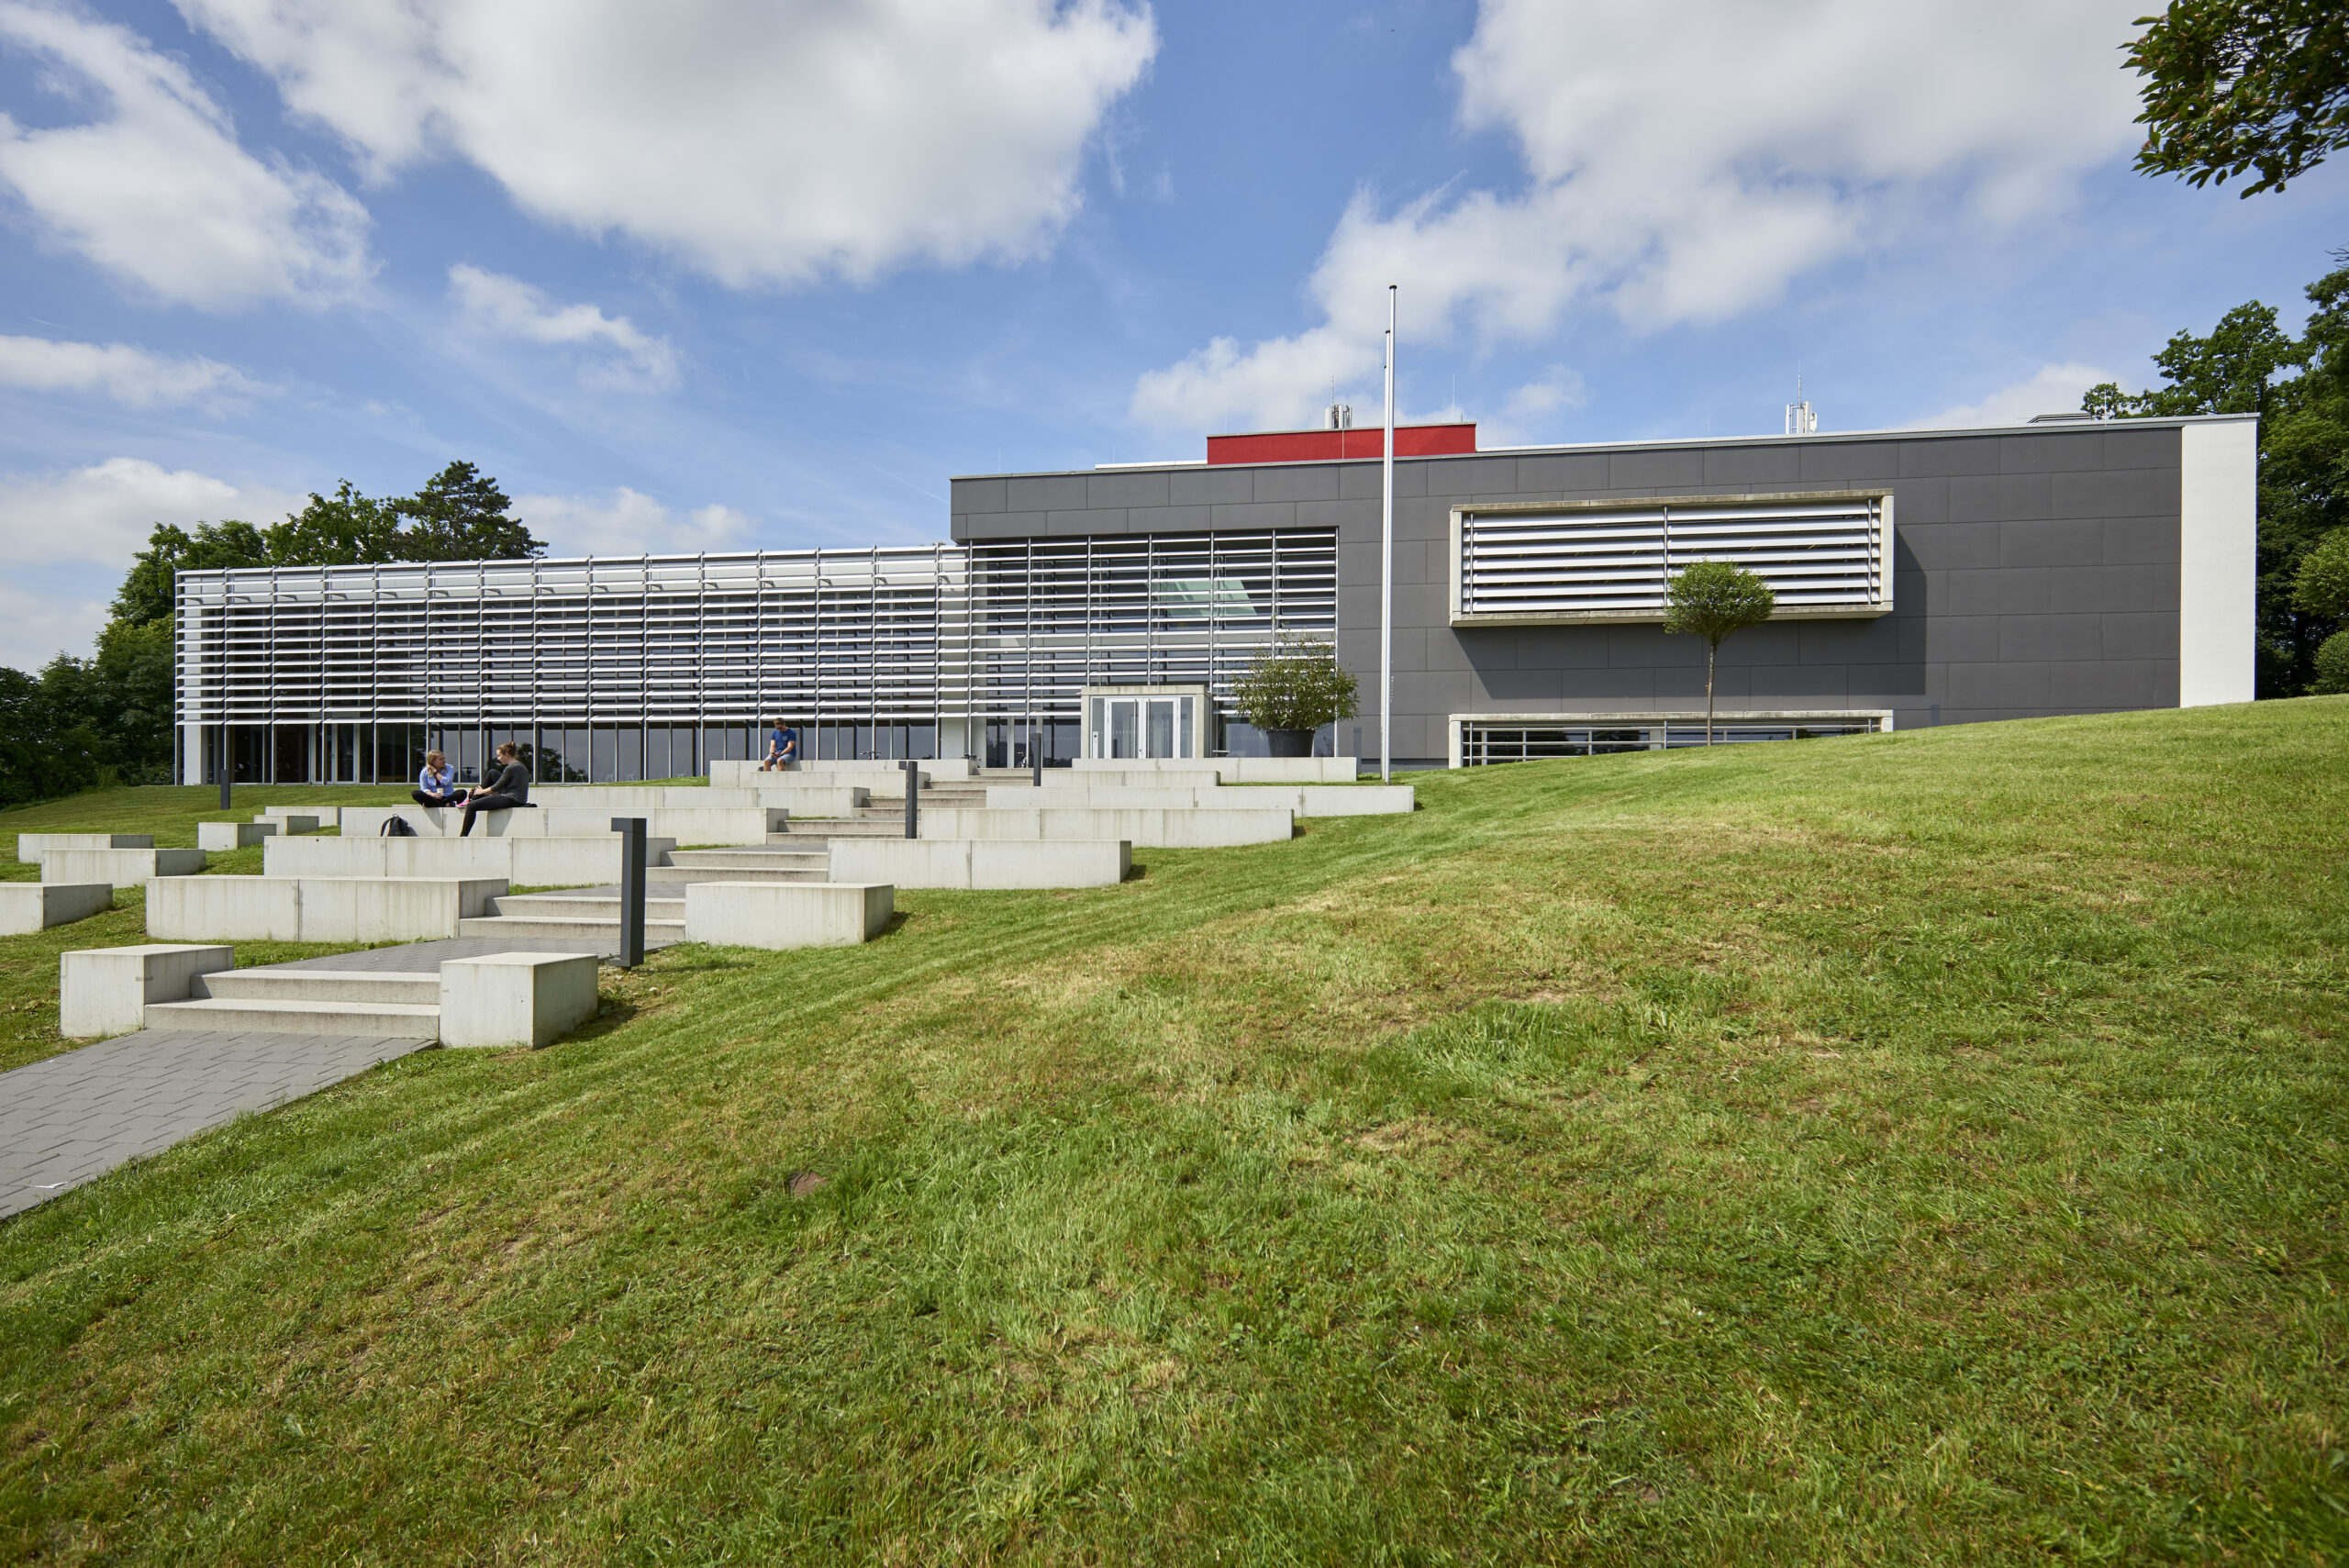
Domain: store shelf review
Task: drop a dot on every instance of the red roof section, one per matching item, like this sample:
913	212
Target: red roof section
1334	446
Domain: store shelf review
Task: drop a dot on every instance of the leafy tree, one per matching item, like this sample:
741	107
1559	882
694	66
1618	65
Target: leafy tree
2232	85
460	516
2303	449
1297	686
2331	666
1714	600
349	530
41	757
146	592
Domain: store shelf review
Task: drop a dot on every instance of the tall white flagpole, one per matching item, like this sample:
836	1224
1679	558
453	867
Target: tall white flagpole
1386	570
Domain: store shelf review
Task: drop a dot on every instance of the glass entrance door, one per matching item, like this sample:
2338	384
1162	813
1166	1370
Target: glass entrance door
1145	727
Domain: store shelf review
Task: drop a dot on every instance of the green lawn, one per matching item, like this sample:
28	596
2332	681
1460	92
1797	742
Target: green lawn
1909	1149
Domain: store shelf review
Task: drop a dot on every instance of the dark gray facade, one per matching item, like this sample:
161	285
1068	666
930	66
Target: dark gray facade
2036	569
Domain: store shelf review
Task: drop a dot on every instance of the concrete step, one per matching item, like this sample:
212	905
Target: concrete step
421	989
657	933
257	1015
573	907
748	857
677	876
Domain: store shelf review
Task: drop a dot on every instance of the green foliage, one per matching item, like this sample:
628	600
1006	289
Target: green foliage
43	752
1299	685
146	592
2234	85
2333	665
2303	448
1715	599
349	530
2322	585
460	516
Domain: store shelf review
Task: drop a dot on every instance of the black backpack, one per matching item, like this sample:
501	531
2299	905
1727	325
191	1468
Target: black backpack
395	828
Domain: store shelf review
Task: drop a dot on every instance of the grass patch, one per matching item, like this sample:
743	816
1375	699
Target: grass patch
1900	1149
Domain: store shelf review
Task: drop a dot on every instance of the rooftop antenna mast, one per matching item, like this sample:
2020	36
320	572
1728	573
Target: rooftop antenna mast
1802	419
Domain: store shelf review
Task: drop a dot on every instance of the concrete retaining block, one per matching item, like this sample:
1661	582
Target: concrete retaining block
1180	829
1234	770
981	862
526	862
1305	800
37	906
883	773
105	991
31	847
787	914
319	816
226	835
121	868
317	908
1197	775
504	1000
728	825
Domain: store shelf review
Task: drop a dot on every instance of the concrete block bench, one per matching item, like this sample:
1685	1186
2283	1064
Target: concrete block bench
523	861
1153	829
31	847
504	1000
685	825
981	862
787	914
119	868
26	907
290	817
105	991
315	909
226	835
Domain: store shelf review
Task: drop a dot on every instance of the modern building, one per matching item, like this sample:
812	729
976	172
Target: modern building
1923	577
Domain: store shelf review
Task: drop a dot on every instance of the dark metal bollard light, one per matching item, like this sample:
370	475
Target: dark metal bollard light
913	798
224	765
632	832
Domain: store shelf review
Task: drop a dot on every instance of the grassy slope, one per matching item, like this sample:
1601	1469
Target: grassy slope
1904	1149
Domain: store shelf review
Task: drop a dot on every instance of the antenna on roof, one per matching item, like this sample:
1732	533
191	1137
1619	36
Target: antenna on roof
1341	417
1802	419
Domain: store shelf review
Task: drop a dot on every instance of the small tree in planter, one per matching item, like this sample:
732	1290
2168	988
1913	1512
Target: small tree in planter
1713	599
1294	690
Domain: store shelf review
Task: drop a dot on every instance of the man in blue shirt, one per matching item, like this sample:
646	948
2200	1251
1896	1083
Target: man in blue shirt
782	746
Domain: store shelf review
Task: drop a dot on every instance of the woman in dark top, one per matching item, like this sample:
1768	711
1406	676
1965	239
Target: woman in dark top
512	789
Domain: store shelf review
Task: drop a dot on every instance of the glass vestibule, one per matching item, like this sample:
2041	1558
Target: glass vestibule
1147	723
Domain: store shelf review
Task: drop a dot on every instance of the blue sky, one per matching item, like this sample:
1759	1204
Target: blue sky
711	276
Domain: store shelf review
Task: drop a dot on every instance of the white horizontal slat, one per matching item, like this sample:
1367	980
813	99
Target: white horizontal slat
1813	554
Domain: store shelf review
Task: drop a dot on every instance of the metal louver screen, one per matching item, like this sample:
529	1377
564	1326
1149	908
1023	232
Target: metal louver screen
1821	555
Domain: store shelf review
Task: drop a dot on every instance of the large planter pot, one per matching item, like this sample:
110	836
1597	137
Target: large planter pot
1290	742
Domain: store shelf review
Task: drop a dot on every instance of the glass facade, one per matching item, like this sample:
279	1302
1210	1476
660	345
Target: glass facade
608	669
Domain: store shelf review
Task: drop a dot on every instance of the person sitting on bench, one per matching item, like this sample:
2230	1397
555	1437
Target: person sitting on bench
512	789
782	746
437	784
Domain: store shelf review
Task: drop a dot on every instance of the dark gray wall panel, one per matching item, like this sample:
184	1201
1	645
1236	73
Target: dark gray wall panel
2036	571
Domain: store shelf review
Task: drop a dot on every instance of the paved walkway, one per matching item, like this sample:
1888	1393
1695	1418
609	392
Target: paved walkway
68	1118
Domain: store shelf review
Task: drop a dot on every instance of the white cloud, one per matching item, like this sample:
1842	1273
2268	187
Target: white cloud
157	191
1684	163
132	376
2054	389
67	536
762	143
628	523
629	360
37	624
103	514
